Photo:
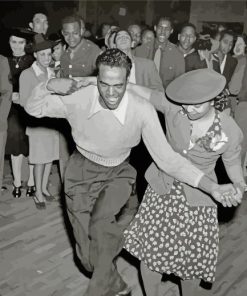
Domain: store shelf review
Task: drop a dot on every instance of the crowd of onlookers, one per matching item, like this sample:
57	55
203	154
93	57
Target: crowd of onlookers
72	53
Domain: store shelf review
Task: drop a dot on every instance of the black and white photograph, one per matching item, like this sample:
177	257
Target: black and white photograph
123	140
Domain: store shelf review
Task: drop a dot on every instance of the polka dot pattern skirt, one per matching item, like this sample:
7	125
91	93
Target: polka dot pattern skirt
170	236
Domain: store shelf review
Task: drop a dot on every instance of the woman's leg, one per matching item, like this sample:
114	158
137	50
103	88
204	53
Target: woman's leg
30	181
38	177
151	280
193	288
16	162
45	179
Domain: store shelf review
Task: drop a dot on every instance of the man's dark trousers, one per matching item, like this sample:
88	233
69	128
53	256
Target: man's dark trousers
95	194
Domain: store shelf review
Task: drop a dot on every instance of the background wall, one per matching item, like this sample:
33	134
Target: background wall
124	12
223	11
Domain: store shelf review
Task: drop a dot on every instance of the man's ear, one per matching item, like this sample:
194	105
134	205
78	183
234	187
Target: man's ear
31	25
179	36
171	31
155	28
35	55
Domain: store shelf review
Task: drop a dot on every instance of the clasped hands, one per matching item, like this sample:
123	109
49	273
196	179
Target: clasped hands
67	86
228	194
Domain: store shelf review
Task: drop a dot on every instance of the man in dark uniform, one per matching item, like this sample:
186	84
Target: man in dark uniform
79	59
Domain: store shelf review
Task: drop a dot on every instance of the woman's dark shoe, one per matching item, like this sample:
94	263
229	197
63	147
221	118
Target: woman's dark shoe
40	205
30	191
49	197
17	191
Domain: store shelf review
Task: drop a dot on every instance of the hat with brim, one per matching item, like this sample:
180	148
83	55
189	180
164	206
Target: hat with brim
41	43
21	33
56	37
196	87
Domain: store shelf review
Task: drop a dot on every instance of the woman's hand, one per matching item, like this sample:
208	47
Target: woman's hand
228	195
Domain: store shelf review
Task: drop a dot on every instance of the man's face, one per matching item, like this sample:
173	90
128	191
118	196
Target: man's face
135	33
111	83
43	57
197	111
17	45
239	48
147	37
40	23
163	30
226	44
72	33
123	41
187	38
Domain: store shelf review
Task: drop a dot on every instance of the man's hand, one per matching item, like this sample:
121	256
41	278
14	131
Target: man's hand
16	98
62	86
86	81
227	195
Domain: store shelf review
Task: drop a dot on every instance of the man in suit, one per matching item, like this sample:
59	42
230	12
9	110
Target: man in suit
186	40
143	71
5	103
225	64
39	23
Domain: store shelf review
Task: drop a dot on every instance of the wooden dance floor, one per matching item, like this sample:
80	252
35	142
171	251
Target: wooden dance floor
36	257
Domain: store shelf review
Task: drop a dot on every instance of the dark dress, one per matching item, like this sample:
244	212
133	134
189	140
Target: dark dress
17	140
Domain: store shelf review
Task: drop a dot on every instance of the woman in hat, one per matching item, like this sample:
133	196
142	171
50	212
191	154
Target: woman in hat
43	138
17	141
176	230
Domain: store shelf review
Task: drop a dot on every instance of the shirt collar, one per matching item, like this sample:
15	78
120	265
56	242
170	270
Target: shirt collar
74	50
39	72
119	113
188	53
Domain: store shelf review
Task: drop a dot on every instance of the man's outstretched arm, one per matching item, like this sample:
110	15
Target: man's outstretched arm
43	102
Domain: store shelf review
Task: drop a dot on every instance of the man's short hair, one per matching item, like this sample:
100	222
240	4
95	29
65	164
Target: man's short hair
185	25
227	32
166	18
114	57
73	19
